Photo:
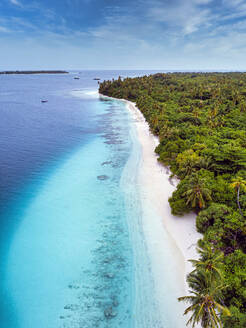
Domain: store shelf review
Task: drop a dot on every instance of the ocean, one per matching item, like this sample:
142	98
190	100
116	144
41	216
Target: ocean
69	236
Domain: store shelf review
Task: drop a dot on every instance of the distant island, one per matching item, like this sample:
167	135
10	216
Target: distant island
34	72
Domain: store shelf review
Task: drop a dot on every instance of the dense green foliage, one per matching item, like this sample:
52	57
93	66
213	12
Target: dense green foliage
201	123
207	285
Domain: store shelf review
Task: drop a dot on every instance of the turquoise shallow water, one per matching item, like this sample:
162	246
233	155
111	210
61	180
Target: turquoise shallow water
73	251
69	263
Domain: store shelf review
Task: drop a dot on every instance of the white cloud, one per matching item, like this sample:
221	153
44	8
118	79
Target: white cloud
230	46
179	33
187	16
234	9
233	3
202	2
4	29
15	2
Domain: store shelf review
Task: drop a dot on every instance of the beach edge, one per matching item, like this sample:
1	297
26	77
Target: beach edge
154	178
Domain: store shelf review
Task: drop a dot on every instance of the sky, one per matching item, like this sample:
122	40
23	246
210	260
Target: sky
123	34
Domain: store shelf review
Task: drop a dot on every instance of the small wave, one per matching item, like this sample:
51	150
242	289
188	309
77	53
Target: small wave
85	93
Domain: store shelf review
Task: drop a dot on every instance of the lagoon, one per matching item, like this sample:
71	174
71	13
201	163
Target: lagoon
73	248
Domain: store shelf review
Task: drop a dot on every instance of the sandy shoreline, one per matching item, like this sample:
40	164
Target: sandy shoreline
157	187
156	178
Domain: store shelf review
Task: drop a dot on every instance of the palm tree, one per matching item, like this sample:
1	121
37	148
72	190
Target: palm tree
210	261
197	192
196	112
204	299
188	165
237	184
243	106
205	163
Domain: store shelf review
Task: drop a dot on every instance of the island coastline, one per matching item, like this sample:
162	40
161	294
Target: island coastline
156	179
157	187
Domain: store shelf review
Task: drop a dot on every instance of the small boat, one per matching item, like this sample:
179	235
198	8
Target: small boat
96	79
76	78
44	101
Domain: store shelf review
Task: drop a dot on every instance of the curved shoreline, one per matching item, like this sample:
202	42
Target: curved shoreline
156	188
156	179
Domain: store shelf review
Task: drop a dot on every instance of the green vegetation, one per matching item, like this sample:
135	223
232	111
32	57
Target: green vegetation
238	183
201	123
207	284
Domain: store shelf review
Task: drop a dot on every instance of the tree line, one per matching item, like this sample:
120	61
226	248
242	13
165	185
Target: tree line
200	119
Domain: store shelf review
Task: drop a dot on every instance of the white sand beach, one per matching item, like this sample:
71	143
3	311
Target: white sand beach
170	241
156	188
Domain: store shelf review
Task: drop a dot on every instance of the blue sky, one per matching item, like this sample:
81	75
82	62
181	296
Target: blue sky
123	34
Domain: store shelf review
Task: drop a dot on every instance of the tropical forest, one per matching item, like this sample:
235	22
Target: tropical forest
200	119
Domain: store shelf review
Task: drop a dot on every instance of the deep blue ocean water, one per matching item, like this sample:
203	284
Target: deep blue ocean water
65	248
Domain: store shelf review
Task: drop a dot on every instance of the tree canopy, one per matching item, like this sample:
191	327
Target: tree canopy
200	119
